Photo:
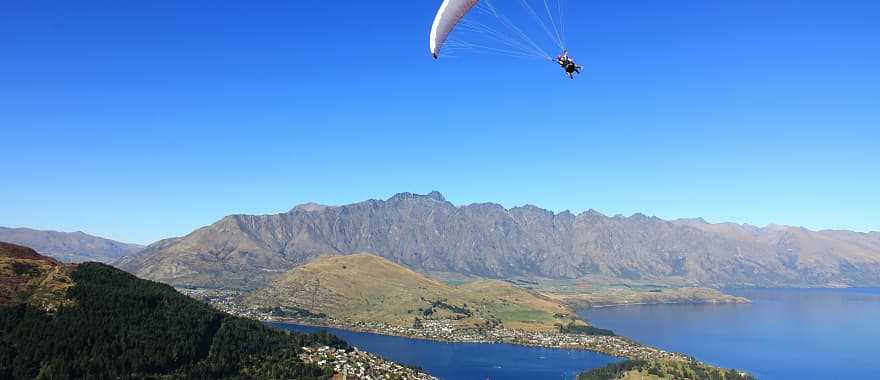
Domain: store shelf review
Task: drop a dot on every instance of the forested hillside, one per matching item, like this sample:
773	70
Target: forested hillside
115	325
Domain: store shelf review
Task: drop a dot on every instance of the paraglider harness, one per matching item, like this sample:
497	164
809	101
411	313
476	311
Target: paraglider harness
568	64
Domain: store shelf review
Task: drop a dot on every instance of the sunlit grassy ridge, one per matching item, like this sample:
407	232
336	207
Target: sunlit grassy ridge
38	281
368	288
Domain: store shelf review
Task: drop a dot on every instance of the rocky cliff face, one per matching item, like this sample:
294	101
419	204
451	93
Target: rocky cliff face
427	233
73	247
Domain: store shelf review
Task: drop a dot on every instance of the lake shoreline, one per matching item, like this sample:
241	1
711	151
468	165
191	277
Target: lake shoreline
783	345
664	303
614	346
461	360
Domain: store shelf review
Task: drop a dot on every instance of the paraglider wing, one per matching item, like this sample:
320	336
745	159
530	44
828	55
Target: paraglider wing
450	13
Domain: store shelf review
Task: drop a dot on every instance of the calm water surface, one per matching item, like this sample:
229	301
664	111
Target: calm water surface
477	361
783	334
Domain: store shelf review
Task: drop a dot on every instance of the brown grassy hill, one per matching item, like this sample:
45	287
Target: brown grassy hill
28	277
368	288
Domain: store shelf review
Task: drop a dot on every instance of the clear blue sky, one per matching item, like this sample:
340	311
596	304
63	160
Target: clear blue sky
139	120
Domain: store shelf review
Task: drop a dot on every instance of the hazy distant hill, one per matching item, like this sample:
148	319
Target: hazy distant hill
427	233
71	247
368	288
92	321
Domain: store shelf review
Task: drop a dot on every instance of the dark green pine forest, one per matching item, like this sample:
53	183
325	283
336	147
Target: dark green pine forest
119	326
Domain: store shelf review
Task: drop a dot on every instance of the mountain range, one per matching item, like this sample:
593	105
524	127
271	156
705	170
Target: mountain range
429	234
70	247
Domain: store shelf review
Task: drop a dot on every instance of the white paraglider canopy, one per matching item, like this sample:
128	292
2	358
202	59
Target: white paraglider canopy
480	26
450	14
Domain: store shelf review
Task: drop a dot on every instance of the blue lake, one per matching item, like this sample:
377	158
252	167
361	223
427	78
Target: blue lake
783	334
476	361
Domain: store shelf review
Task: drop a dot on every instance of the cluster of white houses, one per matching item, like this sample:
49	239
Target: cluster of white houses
354	364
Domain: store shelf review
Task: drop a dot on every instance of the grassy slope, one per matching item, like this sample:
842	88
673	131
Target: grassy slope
27	277
369	288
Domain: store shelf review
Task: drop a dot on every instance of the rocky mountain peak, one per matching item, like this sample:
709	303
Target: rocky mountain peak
776	227
592	214
309	207
532	209
691	221
433	196
639	217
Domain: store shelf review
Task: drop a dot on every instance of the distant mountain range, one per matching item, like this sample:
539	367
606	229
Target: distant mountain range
429	234
71	247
